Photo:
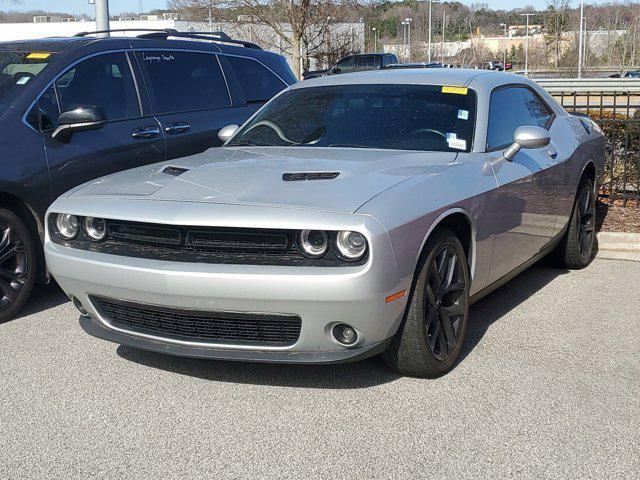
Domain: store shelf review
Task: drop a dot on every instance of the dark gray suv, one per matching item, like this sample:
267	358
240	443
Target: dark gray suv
74	109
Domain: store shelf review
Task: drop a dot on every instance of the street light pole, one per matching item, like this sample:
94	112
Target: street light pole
375	39
526	46
444	20
580	39
429	47
102	15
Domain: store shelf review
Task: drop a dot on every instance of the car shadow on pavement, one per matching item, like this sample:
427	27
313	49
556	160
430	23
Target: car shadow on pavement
42	298
362	374
497	304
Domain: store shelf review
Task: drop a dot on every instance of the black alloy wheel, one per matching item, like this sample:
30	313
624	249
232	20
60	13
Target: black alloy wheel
445	302
430	338
586	221
18	260
579	243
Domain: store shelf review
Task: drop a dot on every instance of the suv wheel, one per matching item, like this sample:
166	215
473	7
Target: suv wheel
430	338
577	248
18	264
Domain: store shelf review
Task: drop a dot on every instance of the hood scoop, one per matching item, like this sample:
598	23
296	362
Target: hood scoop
174	171
301	176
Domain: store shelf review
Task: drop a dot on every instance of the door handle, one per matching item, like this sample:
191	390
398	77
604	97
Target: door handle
179	127
553	153
145	132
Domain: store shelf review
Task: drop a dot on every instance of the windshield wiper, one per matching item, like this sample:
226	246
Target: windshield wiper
348	145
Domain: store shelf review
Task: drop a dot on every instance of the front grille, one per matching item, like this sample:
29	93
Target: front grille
203	244
216	327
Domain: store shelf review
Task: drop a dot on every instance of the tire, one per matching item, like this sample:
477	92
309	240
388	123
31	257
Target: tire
431	335
18	264
577	248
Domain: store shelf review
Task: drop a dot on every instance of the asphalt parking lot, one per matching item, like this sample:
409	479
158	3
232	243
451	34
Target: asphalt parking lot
548	387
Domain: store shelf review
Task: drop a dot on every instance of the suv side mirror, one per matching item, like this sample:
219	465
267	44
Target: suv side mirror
77	120
227	132
336	69
527	136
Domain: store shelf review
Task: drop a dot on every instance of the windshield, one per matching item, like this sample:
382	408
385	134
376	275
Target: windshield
403	117
17	69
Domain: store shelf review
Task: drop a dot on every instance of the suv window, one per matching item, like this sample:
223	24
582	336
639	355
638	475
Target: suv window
183	81
347	64
510	108
104	81
259	84
366	61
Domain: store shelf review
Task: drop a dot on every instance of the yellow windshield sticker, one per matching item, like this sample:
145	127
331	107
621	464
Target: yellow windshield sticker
455	90
38	55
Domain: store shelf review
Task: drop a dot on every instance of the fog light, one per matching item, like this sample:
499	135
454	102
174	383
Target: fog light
345	334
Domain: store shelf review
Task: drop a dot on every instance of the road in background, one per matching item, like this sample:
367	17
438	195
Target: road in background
548	387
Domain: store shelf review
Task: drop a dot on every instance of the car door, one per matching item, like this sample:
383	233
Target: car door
527	198
366	62
346	65
190	98
128	139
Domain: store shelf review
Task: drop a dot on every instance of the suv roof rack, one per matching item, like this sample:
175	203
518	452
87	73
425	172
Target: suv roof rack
165	33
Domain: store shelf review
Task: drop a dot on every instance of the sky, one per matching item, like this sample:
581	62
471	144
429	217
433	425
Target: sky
118	6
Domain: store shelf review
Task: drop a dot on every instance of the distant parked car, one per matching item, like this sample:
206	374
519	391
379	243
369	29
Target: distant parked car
354	63
629	74
348	217
73	109
498	65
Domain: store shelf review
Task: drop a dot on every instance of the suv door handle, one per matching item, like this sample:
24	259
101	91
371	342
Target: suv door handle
553	153
179	127
145	132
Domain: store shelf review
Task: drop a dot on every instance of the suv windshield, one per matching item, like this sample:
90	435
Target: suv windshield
17	69
402	117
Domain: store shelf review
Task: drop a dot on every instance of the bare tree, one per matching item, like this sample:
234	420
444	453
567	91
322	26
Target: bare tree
556	24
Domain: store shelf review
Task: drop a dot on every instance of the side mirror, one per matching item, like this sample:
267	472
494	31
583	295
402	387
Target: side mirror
227	132
527	137
336	69
77	120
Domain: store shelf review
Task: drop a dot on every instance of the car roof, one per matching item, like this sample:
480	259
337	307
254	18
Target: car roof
419	76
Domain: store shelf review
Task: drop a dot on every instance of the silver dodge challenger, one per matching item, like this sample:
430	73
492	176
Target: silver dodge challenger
353	215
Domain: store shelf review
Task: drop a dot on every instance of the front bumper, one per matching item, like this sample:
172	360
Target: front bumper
321	297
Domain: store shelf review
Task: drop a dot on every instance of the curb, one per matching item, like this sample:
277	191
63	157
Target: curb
619	242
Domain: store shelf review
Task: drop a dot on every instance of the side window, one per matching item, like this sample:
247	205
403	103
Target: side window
510	108
366	61
103	81
44	115
258	83
347	64
183	81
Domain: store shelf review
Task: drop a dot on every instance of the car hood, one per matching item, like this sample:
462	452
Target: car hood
255	176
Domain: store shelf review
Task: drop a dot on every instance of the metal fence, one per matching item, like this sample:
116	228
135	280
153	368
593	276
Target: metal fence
618	114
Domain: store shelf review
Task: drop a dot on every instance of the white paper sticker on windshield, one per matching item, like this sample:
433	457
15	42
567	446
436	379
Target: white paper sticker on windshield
457	143
463	114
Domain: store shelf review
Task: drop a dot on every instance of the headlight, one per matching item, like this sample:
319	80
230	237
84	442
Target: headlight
67	226
351	245
95	228
314	243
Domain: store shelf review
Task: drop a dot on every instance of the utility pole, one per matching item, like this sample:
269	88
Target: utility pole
526	45
375	39
409	20
580	42
429	47
102	15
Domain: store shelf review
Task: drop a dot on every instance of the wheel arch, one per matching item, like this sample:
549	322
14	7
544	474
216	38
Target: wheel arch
459	222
